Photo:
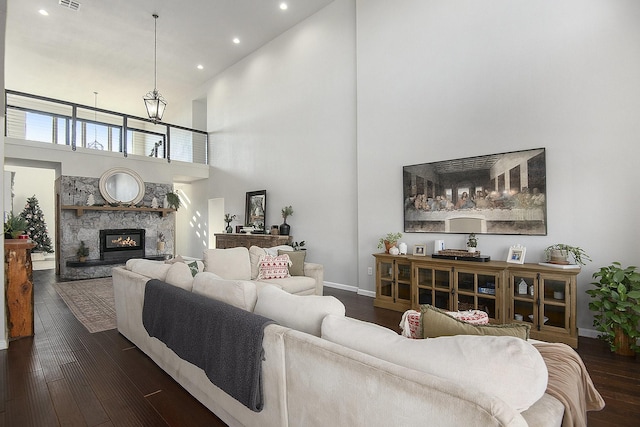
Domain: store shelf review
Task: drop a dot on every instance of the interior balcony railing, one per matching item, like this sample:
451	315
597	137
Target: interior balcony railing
51	121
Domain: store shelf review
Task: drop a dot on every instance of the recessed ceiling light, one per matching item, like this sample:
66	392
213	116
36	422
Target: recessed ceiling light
200	67
283	6
236	40
43	12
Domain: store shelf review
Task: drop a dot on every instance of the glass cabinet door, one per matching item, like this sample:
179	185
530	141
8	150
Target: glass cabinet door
433	286
553	300
477	291
403	282
386	272
523	288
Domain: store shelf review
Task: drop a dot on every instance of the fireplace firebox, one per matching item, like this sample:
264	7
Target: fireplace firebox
122	244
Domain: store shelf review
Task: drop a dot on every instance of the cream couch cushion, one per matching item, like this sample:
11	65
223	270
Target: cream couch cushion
239	293
304	313
232	263
146	267
179	275
506	367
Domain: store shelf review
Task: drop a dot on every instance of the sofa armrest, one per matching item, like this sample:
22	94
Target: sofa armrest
316	272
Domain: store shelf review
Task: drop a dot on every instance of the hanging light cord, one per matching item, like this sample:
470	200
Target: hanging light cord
155	52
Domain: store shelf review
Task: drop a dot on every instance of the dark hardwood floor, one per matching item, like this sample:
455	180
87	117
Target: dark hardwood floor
66	376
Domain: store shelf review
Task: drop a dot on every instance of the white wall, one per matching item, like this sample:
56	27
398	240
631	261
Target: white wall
39	182
4	343
283	120
442	80
192	220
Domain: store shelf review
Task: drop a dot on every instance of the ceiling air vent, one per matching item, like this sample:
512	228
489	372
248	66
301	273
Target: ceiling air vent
73	5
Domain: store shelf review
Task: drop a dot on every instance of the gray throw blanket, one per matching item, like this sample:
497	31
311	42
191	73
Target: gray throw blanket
223	340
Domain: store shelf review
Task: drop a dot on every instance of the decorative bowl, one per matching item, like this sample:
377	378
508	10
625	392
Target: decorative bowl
546	319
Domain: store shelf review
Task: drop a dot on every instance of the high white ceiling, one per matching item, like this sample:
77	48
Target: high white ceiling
106	46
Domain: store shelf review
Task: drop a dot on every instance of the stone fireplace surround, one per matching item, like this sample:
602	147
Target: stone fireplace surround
71	228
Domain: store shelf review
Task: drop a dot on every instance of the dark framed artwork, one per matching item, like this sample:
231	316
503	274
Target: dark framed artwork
493	194
256	209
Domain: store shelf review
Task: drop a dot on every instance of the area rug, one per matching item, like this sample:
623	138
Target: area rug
91	301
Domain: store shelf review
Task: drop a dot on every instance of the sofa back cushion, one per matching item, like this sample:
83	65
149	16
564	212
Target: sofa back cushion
303	313
232	263
255	253
506	367
239	293
146	267
180	275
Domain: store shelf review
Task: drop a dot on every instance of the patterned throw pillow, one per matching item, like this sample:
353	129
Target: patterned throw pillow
193	266
274	267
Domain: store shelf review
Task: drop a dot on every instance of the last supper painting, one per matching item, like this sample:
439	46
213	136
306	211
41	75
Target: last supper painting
492	194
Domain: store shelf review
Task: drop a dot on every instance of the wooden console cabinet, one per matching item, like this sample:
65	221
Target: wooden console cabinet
233	240
541	296
18	287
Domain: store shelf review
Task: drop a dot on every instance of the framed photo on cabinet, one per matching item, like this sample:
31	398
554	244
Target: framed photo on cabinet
516	254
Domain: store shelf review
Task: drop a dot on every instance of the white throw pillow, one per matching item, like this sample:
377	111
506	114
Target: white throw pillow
506	367
232	263
180	275
239	293
273	251
301	312
146	267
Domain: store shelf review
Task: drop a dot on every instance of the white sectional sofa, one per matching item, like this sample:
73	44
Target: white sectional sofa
321	368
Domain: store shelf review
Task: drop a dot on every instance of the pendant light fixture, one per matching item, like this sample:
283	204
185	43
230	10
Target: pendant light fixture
155	102
95	144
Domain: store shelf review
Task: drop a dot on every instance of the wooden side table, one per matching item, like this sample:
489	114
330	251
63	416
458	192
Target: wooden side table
18	287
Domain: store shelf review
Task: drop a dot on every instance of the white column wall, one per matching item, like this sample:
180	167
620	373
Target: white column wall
441	80
4	342
283	120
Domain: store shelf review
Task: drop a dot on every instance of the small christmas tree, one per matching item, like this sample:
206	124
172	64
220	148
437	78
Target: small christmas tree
36	227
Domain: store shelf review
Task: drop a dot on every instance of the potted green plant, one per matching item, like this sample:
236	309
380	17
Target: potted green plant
299	246
472	242
285	228
616	301
82	252
559	254
228	218
14	226
173	200
389	241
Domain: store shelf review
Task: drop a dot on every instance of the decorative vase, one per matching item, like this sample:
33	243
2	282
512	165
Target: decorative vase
285	228
160	246
622	343
229	229
394	250
471	249
388	245
403	248
559	256
154	203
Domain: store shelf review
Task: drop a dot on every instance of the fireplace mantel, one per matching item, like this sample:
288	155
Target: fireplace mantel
80	209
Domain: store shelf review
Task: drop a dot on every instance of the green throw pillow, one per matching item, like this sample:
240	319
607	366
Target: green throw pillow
193	266
436	323
297	258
